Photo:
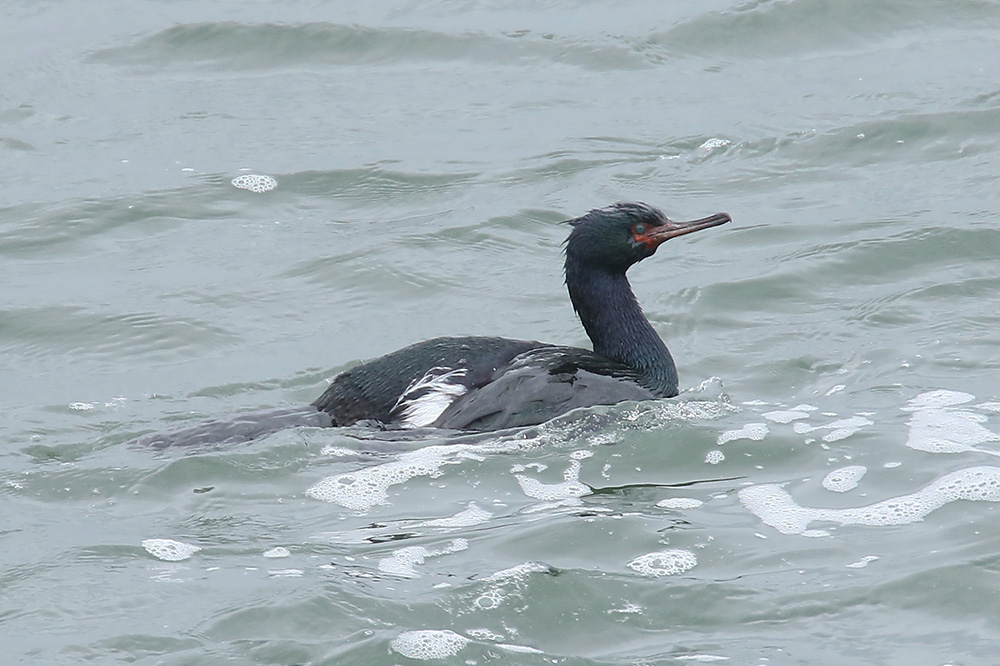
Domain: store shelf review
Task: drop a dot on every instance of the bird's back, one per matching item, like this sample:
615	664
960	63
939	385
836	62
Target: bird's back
383	389
478	383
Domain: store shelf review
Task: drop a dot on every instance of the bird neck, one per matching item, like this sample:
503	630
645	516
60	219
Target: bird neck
617	327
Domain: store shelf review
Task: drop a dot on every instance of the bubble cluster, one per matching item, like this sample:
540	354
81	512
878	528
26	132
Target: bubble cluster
714	457
277	552
429	644
403	562
789	415
664	563
169	550
570	488
255	183
775	507
367	487
844	479
752	431
936	426
505	583
662	413
520	649
863	562
469	517
839	429
679	503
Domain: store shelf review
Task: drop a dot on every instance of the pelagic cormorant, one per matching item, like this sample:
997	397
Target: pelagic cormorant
484	383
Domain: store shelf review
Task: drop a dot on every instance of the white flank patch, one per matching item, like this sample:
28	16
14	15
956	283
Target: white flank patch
438	392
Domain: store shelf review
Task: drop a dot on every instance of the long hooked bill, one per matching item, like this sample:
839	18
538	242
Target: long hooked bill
674	229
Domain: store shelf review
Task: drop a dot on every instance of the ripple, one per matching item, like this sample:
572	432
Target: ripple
268	46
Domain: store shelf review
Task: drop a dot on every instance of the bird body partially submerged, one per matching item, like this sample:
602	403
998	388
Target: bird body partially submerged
485	383
490	383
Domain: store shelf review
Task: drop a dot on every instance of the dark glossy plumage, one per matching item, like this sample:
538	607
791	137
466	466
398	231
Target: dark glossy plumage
484	383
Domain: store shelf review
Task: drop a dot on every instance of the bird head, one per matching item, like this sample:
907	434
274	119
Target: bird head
617	236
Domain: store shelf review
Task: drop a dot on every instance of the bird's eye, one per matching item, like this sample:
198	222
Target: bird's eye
638	229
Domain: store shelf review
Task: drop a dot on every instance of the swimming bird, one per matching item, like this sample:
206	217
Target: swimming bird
490	383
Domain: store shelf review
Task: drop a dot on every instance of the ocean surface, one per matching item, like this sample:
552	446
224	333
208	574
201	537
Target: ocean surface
824	491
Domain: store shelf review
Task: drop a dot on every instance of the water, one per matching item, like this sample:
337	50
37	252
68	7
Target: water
824	492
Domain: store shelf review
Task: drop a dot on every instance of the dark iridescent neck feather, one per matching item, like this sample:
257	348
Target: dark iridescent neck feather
616	325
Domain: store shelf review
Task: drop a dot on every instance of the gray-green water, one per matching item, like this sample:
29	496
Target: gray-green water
843	330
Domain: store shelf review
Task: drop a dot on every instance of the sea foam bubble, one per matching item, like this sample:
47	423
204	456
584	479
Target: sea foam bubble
255	183
937	426
844	479
429	644
664	562
169	550
775	507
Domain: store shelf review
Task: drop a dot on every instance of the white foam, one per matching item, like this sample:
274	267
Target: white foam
570	488
285	573
403	562
519	572
169	550
775	507
255	183
366	487
663	413
940	398
338	451
752	431
429	644
844	479
679	503
520	649
840	429
714	457
785	416
936	426
664	562
277	552
714	144
484	634
863	562
471	516
629	608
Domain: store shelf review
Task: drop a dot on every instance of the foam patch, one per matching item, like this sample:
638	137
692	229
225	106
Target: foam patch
714	457
169	550
789	415
507	582
278	552
429	644
936	426
839	429
367	487
570	488
471	516
844	479
403	562
664	563
775	507
255	183
752	431
679	503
